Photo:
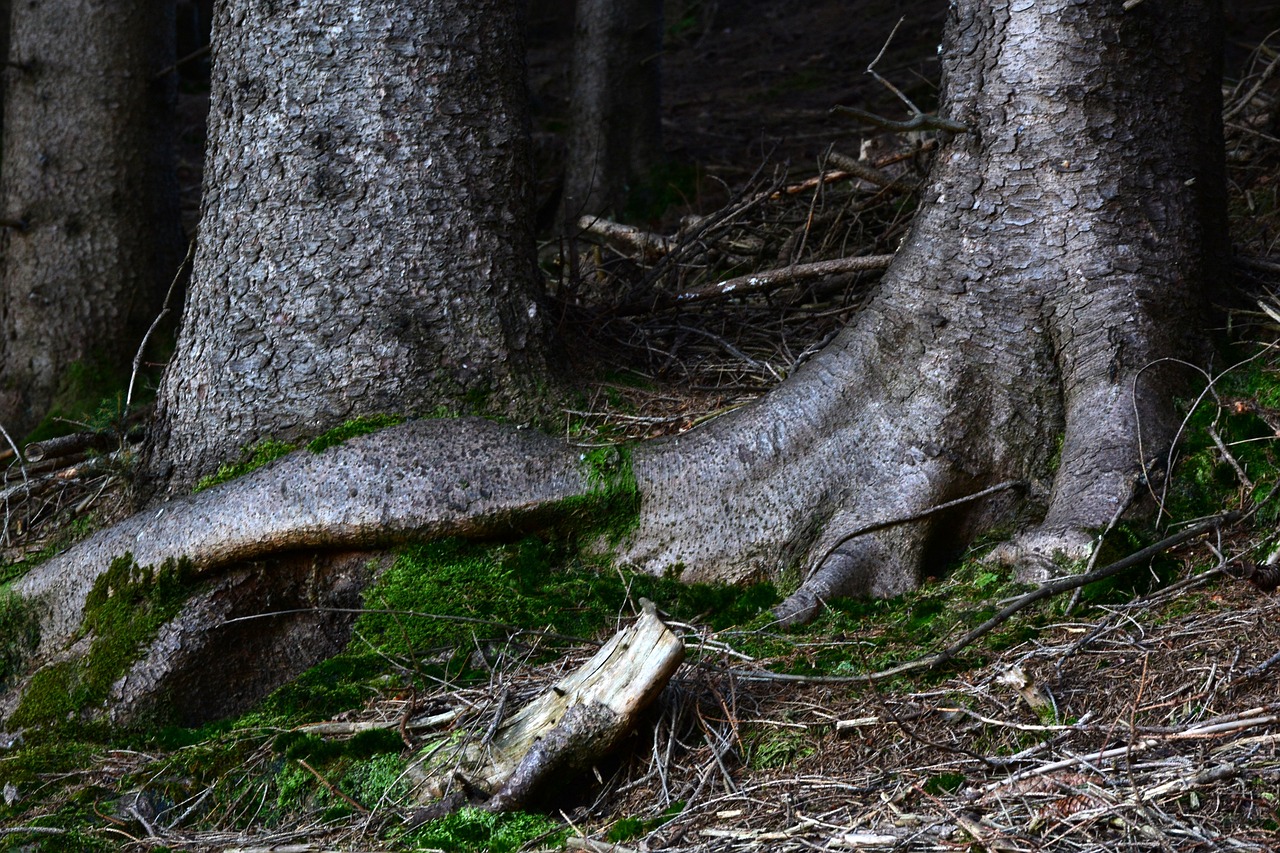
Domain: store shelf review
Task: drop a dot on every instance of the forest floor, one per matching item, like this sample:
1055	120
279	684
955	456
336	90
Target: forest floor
1139	713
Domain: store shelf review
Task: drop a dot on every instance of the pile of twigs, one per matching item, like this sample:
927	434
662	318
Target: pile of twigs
46	486
718	313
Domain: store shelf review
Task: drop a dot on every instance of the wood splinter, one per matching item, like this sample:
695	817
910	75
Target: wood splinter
565	730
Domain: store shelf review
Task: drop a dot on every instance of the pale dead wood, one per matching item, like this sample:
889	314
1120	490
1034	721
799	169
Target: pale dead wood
573	724
646	244
762	282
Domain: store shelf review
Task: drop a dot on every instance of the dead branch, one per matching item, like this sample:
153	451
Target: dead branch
761	282
869	173
567	728
645	244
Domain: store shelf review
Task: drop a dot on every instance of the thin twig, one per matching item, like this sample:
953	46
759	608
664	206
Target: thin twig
922	514
333	789
164	310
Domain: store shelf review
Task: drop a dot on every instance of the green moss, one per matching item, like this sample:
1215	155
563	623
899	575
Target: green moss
19	634
123	611
362	425
253	458
1204	481
774	748
473	831
611	509
417	627
634	827
378	780
90	394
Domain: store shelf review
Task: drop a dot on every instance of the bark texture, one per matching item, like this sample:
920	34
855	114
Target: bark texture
365	236
1062	251
615	115
89	180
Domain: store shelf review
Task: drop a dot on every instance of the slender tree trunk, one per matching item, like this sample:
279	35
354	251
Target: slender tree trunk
365	244
615	127
88	192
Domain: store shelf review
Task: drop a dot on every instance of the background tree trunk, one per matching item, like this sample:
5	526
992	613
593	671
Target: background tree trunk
88	165
615	115
365	243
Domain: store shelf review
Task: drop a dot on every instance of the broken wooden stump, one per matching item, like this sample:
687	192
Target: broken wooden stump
563	731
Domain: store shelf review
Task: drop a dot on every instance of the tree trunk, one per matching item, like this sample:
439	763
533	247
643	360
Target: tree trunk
88	193
1057	267
365	243
1061	253
615	127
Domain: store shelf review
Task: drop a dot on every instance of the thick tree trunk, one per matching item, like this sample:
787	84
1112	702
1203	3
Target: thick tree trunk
88	193
1058	264
1061	253
615	117
365	243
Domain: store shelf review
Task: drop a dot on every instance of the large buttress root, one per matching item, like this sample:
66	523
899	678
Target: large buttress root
421	480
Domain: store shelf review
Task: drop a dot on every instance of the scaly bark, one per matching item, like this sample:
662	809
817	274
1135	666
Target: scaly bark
1063	250
365	238
89	171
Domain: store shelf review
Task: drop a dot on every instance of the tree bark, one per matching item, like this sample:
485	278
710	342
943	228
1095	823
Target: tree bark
365	239
1058	266
615	116
1062	251
88	192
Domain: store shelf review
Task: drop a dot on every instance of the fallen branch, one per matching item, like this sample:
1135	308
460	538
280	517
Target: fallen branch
760	282
644	243
869	173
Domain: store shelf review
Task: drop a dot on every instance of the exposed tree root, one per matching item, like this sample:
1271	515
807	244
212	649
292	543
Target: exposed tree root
1060	253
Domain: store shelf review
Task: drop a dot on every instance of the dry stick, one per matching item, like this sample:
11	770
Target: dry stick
1045	590
33	830
726	214
647	243
22	465
1260	264
869	173
760	282
444	617
333	789
919	120
924	513
164	310
74	445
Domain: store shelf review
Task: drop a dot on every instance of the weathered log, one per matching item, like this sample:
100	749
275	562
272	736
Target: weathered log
566	729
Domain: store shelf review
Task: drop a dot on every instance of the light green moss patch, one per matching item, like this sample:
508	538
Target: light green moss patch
126	607
19	634
253	458
362	425
473	831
